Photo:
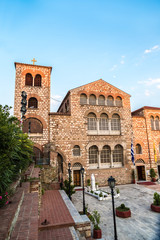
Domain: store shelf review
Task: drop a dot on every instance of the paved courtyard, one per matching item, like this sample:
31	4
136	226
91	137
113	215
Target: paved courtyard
143	224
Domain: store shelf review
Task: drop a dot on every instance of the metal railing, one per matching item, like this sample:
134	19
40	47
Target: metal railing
43	161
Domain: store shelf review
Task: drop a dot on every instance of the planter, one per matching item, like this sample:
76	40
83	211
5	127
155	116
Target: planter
100	198
153	179
133	181
123	214
155	208
97	233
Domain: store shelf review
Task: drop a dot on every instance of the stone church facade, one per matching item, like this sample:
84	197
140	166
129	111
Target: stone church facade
92	128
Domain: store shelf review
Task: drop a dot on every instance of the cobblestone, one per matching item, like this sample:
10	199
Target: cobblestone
143	224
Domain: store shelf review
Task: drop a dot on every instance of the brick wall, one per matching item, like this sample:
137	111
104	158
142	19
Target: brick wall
41	93
146	137
68	130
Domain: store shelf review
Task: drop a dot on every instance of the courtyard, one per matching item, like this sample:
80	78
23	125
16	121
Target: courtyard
143	224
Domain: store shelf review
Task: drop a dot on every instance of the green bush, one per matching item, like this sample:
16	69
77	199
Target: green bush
15	149
88	182
117	190
152	173
122	208
156	199
95	219
100	195
66	187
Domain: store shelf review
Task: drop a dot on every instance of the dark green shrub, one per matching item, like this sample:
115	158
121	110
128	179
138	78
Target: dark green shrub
95	219
152	173
100	195
122	208
88	182
66	187
15	149
156	199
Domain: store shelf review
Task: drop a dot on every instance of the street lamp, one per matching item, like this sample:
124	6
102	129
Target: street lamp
82	172
111	183
69	172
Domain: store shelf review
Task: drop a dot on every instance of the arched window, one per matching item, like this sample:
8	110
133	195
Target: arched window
93	154
37	80
37	155
103	122
157	123
138	149
32	103
115	122
101	100
119	101
32	125
76	150
83	98
106	154
110	101
92	121
152	123
29	80
92	99
118	154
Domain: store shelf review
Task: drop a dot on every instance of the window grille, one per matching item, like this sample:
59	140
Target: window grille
33	103
37	80
152	123
106	154
118	154
29	80
101	100
93	154
110	101
83	99
76	150
92	123
115	122
92	99
103	122
157	123
138	149
119	101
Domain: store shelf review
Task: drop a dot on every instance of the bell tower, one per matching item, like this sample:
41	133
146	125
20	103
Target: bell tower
35	81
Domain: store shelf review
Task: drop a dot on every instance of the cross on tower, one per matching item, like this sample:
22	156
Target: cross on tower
34	61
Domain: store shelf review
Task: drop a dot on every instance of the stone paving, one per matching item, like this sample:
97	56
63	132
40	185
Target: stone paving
143	224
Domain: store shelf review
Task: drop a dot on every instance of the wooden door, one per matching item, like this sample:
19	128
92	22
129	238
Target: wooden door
141	173
76	176
159	170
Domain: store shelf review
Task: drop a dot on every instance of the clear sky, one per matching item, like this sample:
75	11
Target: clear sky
83	40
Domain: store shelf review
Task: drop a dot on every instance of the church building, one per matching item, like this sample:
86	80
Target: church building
93	128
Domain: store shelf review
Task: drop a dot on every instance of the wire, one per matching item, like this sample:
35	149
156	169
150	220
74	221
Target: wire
55	99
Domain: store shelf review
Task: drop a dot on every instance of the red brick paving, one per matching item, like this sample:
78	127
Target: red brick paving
54	210
58	217
27	223
55	234
7	213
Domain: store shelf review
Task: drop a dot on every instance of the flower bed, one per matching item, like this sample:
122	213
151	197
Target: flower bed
101	194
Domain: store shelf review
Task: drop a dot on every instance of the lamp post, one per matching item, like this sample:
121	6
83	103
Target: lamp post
23	104
82	172
111	183
69	172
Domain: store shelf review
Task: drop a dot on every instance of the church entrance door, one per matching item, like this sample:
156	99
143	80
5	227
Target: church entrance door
77	179
159	170
141	173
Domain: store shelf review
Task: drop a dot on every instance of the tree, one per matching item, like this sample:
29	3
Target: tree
15	148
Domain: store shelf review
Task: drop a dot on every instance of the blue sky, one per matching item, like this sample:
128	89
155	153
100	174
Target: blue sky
83	40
